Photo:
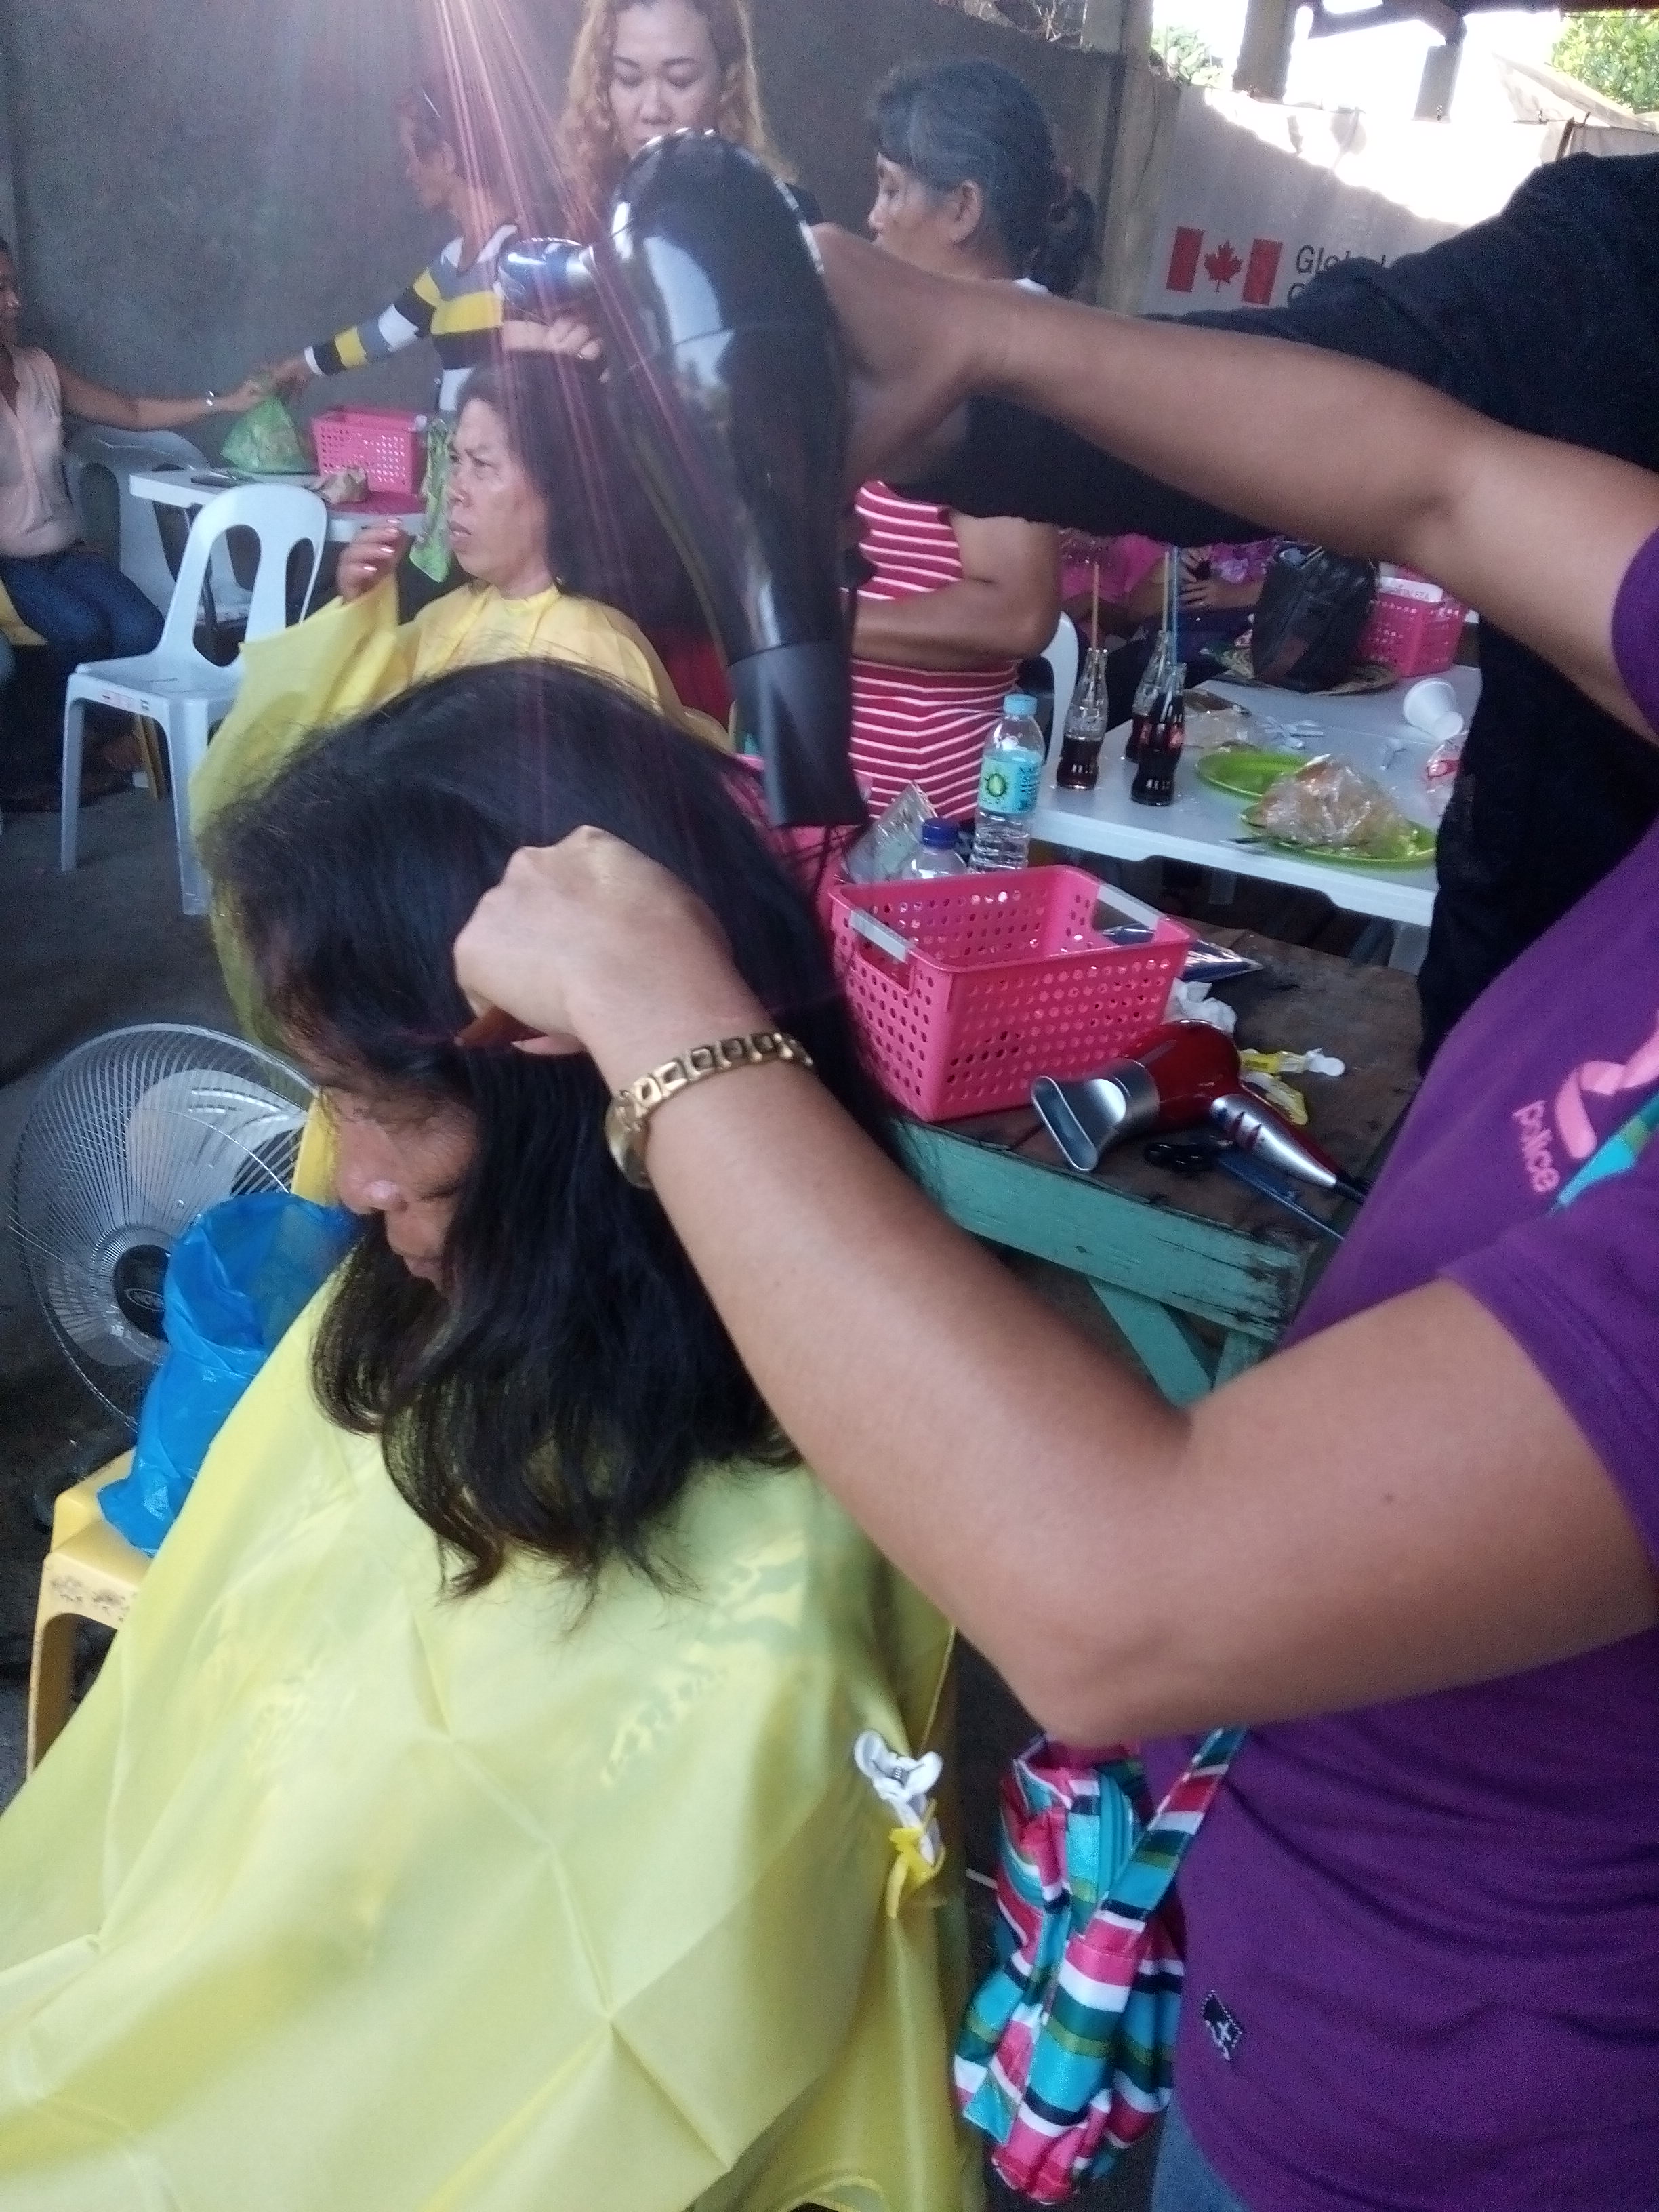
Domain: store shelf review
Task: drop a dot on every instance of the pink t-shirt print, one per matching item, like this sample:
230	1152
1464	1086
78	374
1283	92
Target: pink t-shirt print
1601	1079
1574	1128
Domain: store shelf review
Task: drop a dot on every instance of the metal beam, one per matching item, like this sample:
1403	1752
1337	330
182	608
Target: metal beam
1440	82
1439	15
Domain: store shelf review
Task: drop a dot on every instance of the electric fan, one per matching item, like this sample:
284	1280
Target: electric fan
132	1136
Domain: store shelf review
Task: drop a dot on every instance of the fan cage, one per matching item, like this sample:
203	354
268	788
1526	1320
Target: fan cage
132	1136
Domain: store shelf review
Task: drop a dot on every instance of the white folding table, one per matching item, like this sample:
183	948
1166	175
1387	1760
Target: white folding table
191	488
1204	826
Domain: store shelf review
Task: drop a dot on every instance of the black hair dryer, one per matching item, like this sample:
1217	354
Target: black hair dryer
728	382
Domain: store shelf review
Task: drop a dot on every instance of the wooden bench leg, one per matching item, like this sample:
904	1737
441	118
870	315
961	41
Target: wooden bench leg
51	1682
1169	1351
1161	1341
1239	1353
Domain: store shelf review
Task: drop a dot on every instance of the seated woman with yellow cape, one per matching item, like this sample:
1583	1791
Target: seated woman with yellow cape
467	1815
549	524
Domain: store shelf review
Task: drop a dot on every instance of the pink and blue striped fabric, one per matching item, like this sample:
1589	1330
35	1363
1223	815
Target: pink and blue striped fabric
1065	2056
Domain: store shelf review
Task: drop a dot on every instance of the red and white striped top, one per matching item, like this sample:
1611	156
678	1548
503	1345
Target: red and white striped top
926	725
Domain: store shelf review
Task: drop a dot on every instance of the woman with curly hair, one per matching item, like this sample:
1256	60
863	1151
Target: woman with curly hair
645	67
641	68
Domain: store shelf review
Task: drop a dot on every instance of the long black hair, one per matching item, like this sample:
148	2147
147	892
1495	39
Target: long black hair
605	539
559	1392
975	122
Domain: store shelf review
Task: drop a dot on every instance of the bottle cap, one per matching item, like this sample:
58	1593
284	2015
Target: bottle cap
937	832
1020	702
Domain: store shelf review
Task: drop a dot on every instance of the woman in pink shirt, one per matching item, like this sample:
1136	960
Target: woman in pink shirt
81	604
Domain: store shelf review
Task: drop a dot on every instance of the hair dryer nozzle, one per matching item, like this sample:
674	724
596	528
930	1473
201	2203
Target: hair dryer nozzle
1086	1118
794	701
541	278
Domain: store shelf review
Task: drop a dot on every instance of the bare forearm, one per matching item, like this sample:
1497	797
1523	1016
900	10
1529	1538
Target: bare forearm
169	414
96	402
1400	1504
1536	534
939	1422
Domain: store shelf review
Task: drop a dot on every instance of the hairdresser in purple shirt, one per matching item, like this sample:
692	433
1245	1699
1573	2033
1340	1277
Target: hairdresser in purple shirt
1418	1550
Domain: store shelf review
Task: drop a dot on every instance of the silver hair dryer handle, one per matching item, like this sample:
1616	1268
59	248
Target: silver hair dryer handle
1255	1128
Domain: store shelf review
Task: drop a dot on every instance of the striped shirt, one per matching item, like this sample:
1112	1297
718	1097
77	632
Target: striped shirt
459	309
925	725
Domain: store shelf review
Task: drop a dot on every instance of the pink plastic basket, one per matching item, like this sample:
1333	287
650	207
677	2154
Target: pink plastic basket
386	442
1005	979
1414	626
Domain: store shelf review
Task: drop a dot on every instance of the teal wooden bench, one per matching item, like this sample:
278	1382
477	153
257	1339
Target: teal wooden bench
1200	1276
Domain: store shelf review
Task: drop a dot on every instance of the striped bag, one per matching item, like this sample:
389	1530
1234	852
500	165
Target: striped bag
1065	2056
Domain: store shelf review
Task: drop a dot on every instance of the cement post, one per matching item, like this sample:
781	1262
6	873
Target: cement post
1132	198
1264	57
1118	27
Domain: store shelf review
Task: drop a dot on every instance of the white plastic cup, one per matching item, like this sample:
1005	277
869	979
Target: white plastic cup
1431	707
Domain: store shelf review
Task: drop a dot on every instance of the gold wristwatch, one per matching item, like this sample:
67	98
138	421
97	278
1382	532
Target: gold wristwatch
630	1110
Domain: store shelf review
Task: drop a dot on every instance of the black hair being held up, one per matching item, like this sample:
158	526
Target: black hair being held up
975	122
558	1393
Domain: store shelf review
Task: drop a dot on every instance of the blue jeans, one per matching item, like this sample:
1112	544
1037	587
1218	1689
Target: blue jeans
1185	2180
83	605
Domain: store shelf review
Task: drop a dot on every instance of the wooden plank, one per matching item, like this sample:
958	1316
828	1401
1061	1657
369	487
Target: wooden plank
1164	1348
1239	1353
1252	1283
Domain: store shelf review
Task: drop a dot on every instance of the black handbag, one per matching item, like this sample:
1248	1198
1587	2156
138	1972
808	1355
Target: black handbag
1310	616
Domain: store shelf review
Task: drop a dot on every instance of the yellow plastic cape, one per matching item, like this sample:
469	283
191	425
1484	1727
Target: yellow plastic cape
339	1895
350	657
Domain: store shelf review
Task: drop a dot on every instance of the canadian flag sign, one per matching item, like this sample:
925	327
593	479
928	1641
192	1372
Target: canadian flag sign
1222	265
1261	198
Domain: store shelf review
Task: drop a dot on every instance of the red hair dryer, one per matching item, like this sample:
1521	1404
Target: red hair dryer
1185	1075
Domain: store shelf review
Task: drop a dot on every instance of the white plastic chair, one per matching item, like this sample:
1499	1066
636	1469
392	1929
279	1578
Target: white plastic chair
177	688
138	551
1062	655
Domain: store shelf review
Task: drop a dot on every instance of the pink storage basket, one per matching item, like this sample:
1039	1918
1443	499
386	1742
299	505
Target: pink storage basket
386	443
1006	980
1414	626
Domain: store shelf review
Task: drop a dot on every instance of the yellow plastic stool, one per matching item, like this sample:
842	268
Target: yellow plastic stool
92	1573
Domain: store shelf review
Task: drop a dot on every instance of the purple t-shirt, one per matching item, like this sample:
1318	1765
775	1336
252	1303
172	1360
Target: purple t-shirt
1427	1934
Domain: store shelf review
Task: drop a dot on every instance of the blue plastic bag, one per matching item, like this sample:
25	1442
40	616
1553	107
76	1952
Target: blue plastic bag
236	1282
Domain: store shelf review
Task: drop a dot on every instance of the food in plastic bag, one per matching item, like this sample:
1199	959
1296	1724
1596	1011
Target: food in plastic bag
237	1280
1212	723
1329	803
268	443
344	487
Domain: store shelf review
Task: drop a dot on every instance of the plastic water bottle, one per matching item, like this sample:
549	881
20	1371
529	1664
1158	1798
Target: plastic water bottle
1009	774
936	855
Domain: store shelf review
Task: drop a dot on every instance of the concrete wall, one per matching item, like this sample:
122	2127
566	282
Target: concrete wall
821	60
201	188
198	189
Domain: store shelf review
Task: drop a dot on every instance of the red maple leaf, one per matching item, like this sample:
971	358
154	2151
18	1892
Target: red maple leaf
1223	265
